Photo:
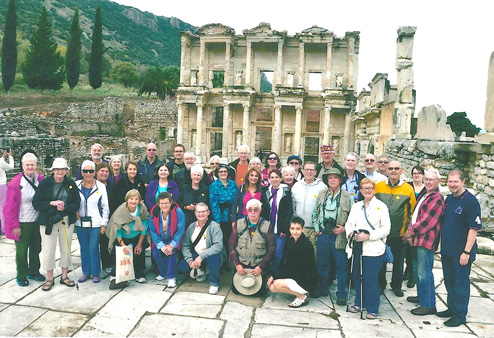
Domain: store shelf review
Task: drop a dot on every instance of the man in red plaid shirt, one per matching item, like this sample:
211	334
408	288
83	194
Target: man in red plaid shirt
423	234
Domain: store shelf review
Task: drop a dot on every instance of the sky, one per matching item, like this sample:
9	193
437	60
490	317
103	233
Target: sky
452	46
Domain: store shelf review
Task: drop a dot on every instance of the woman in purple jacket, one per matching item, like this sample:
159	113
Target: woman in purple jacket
21	221
162	183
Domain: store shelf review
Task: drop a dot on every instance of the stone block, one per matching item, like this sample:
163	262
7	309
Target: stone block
55	324
237	317
491	182
431	124
161	325
490	165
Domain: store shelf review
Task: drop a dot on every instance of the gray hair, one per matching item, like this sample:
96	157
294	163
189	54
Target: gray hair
252	202
244	146
214	157
97	145
29	157
196	168
116	157
255	159
382	156
351	154
202	204
435	171
88	163
189	153
287	169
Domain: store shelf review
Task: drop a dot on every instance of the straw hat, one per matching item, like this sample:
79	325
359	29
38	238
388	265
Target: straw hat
195	273
247	284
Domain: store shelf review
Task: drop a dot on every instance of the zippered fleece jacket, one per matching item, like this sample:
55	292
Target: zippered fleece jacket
400	201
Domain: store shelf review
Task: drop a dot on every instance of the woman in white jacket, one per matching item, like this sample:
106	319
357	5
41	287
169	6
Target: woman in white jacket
367	227
92	219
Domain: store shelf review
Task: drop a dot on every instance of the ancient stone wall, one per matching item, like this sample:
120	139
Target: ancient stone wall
475	160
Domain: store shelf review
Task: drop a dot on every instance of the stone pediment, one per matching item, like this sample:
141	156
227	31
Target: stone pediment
263	29
316	31
215	29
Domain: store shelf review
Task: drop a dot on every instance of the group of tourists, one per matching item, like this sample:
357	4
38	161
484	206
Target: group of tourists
290	228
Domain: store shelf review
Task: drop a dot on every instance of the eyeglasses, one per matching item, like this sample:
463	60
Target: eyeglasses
253	209
369	160
367	188
151	149
382	162
294	163
430	179
272	158
394	168
309	170
86	171
201	212
213	163
223	172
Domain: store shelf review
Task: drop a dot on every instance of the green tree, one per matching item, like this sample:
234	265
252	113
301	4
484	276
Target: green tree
73	55
459	123
9	48
97	50
124	72
159	80
43	68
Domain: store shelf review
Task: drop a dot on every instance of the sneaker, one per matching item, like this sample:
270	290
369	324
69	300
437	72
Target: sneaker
213	289
108	270
83	278
413	299
38	277
112	278
22	282
398	292
159	278
96	279
172	282
141	280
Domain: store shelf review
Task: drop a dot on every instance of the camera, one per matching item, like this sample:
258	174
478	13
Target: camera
329	223
8	149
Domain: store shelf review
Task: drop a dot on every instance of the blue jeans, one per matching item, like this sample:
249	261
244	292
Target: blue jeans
167	265
213	264
89	242
370	272
278	254
422	267
457	282
325	251
398	249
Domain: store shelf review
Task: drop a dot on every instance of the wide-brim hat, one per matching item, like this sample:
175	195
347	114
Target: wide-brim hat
247	284
59	163
194	273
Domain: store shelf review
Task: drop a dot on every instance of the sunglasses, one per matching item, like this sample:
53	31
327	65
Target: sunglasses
394	168
382	162
369	160
213	163
86	171
151	149
223	172
293	162
272	158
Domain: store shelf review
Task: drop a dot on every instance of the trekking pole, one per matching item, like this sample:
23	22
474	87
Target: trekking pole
70	254
352	246
361	287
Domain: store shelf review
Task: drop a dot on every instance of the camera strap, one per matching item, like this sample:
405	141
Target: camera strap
365	214
337	206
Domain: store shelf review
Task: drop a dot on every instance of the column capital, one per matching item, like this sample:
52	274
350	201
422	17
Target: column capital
246	105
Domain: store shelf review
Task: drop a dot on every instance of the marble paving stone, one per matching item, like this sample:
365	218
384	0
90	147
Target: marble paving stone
293	317
8	269
245	300
158	325
7	249
103	326
63	298
482	330
237	317
441	334
22	316
10	292
194	304
441	290
356	327
484	262
280	301
3	306
480	310
54	324
487	288
268	331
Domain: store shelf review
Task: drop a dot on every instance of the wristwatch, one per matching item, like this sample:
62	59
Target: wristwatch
466	252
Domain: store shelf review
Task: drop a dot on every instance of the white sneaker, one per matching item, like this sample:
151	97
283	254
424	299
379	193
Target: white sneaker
213	289
172	282
160	278
112	278
141	280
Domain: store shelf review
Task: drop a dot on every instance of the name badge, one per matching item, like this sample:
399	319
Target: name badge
86	222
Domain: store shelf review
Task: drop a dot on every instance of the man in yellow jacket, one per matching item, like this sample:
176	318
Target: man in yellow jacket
399	196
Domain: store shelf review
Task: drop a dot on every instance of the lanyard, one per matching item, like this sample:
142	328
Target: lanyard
90	194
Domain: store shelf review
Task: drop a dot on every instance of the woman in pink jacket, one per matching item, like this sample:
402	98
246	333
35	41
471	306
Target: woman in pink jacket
21	221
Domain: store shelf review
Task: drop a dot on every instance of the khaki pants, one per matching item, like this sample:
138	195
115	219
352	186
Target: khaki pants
310	233
49	245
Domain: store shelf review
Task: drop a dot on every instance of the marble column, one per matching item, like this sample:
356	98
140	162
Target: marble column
180	122
351	54
245	124
279	68
347	134
226	130
329	55
199	133
301	65
489	105
276	142
228	64
248	65
202	64
327	124
298	131
185	58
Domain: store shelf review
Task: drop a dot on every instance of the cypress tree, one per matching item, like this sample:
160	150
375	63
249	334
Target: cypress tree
43	68
96	57
73	55
9	48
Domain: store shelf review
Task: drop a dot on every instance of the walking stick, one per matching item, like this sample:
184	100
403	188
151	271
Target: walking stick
70	254
361	288
352	246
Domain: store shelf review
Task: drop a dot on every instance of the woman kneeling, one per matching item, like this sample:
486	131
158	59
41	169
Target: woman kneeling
297	274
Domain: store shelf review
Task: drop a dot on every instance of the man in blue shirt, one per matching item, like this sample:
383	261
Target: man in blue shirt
461	223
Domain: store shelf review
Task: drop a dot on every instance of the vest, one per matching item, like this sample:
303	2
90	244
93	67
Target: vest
343	212
155	212
251	251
